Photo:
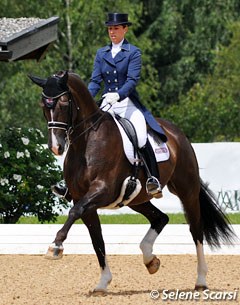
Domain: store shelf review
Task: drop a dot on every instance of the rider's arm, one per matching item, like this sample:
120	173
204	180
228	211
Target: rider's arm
133	74
95	83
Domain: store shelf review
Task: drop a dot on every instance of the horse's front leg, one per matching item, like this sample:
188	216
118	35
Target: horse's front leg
85	205
81	207
86	209
91	220
55	250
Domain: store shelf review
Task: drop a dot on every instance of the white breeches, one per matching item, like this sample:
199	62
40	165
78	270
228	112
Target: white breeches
126	109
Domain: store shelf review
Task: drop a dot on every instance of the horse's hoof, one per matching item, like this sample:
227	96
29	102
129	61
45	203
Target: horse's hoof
200	287
153	266
54	252
99	292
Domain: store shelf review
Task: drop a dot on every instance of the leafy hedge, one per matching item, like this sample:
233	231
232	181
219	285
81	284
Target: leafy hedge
27	171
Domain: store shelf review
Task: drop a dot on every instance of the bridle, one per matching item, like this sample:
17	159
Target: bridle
51	102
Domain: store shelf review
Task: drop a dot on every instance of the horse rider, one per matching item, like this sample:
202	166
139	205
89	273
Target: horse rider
118	66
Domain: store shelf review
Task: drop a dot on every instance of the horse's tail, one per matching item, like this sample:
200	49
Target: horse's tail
216	225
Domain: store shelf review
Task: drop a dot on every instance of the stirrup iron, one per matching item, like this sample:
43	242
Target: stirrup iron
153	187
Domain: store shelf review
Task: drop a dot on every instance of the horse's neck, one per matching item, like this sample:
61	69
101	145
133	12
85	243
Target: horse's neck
85	117
88	108
85	104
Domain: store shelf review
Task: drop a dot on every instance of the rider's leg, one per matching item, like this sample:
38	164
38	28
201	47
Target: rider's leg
153	185
130	112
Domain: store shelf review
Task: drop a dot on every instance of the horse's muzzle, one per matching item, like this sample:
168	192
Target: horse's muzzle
57	150
56	145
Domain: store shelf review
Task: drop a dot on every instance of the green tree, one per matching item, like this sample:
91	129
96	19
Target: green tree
184	35
179	42
211	110
81	33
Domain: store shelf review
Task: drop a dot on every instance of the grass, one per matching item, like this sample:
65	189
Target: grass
177	218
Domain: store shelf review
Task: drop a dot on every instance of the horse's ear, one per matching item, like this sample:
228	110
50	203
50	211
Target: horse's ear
41	82
63	80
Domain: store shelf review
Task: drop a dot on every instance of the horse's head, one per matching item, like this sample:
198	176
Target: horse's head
56	103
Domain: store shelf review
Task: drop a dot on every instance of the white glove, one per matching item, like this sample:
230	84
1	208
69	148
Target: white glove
111	98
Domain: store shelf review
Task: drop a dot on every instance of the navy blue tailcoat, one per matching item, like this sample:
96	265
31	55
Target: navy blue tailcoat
121	74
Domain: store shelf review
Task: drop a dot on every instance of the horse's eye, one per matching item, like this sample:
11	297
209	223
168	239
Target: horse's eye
63	101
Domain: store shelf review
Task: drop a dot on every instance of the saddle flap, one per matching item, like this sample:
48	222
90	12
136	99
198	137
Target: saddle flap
160	148
129	130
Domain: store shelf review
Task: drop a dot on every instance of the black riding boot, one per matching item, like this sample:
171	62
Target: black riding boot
153	185
60	189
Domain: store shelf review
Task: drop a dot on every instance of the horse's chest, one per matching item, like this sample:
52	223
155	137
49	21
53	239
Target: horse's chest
74	166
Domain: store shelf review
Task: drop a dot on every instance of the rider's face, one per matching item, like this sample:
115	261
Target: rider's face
117	32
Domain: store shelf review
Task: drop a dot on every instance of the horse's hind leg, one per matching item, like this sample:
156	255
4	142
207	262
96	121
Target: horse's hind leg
191	204
196	229
158	220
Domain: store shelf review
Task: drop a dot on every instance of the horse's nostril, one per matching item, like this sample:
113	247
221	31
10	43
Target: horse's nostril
60	149
55	150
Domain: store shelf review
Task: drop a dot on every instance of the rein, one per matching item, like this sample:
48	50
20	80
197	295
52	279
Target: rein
50	102
70	130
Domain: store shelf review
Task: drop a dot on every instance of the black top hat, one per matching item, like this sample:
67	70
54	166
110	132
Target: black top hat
117	19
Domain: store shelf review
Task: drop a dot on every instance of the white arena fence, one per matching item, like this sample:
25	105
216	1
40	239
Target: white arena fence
219	165
122	239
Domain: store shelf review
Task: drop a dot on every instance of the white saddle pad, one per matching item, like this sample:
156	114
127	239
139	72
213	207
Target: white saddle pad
161	150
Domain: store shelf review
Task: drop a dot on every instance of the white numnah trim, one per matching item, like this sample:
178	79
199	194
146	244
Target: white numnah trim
114	205
161	150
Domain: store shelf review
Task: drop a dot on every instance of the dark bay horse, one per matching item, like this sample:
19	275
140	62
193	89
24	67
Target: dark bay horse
95	167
